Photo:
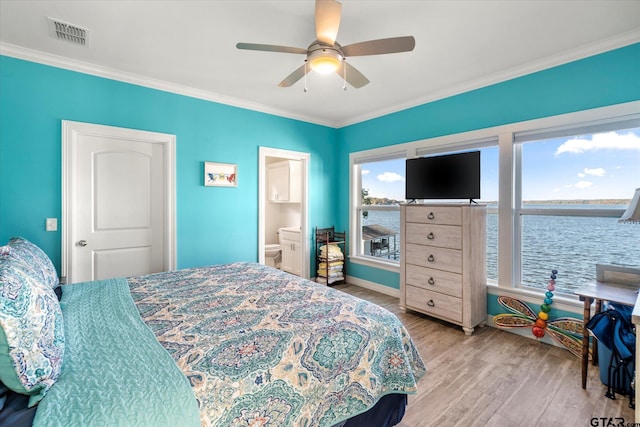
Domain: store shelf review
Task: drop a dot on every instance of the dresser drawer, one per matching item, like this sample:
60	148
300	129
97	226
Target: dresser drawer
446	215
433	257
434	280
445	236
437	304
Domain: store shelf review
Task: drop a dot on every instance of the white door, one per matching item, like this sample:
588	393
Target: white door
119	204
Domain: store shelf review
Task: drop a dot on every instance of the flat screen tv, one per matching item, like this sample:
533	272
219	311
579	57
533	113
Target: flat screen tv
451	176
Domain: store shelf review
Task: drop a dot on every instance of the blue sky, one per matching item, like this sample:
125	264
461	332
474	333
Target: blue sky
599	166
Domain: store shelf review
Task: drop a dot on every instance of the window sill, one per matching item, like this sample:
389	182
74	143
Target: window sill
375	263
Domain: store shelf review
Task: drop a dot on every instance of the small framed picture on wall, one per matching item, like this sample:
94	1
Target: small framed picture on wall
220	174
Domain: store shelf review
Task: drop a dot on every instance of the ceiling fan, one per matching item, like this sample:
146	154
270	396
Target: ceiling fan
325	55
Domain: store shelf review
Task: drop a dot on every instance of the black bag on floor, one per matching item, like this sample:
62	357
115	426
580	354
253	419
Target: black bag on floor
613	328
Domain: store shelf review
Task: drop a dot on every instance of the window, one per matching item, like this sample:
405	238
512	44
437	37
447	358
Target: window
575	184
554	187
379	188
378	212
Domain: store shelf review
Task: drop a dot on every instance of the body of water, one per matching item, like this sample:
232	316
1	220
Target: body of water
573	245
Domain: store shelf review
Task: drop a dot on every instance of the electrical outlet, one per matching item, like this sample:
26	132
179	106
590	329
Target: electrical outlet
52	224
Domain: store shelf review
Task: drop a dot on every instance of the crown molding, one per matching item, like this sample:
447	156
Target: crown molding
582	52
113	74
585	51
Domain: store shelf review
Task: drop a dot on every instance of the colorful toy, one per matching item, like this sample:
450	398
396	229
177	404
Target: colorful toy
545	308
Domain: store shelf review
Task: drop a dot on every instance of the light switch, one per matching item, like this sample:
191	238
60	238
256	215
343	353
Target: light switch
52	224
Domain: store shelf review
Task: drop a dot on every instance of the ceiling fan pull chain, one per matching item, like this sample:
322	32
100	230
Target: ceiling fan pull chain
344	75
305	76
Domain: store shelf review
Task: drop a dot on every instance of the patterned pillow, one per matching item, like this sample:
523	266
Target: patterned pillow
31	331
35	259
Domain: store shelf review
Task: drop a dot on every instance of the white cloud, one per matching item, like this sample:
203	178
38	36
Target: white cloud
390	177
600	141
365	171
581	175
583	184
594	172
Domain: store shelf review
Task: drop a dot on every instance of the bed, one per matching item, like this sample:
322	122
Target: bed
239	344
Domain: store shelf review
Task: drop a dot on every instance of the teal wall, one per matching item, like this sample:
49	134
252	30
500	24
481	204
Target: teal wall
606	79
220	224
214	225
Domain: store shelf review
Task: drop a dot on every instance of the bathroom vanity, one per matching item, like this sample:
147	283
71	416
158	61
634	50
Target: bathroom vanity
291	250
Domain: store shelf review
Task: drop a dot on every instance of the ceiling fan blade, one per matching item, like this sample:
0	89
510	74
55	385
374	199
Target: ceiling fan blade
354	77
327	20
380	46
295	76
271	48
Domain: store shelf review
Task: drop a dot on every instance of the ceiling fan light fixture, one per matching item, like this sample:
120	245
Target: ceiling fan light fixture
325	61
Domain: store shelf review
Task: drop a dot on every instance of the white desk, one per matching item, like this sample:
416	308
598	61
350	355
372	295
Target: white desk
598	292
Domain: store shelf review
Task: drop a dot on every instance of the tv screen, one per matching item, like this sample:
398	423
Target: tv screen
452	176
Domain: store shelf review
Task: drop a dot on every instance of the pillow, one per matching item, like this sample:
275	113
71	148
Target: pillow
35	259
31	331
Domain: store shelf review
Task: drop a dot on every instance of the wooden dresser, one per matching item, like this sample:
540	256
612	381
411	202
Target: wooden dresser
443	262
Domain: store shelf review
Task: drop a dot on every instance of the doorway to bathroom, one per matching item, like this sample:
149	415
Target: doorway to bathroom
283	228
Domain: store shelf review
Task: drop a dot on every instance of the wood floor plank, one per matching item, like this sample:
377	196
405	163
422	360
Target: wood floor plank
496	378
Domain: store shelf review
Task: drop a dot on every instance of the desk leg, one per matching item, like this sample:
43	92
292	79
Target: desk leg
594	341
585	340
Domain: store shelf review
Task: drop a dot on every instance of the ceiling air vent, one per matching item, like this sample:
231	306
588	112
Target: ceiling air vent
72	33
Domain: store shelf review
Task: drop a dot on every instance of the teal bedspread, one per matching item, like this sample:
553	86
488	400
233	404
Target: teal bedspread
115	372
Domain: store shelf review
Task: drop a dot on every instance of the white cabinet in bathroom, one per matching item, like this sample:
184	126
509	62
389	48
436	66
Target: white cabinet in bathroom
283	181
291	251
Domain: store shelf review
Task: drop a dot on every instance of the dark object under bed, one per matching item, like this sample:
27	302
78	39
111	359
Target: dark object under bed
13	409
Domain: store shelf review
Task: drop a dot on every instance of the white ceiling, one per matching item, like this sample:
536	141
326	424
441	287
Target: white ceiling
188	47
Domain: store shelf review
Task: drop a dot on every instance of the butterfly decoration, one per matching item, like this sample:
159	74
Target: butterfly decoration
220	174
566	331
216	177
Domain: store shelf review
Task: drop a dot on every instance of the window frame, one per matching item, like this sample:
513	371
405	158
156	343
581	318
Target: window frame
520	211
356	160
509	181
448	144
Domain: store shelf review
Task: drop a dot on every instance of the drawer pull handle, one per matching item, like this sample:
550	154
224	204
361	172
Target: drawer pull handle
431	258
431	281
431	215
430	303
430	236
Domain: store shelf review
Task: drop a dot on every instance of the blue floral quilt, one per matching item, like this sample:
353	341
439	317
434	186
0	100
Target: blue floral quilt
261	347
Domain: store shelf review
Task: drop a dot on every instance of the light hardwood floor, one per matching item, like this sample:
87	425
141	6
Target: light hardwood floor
496	378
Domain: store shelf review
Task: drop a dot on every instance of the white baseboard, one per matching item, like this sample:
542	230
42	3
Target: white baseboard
525	332
373	286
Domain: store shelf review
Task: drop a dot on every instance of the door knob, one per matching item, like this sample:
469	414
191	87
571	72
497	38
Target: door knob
82	243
